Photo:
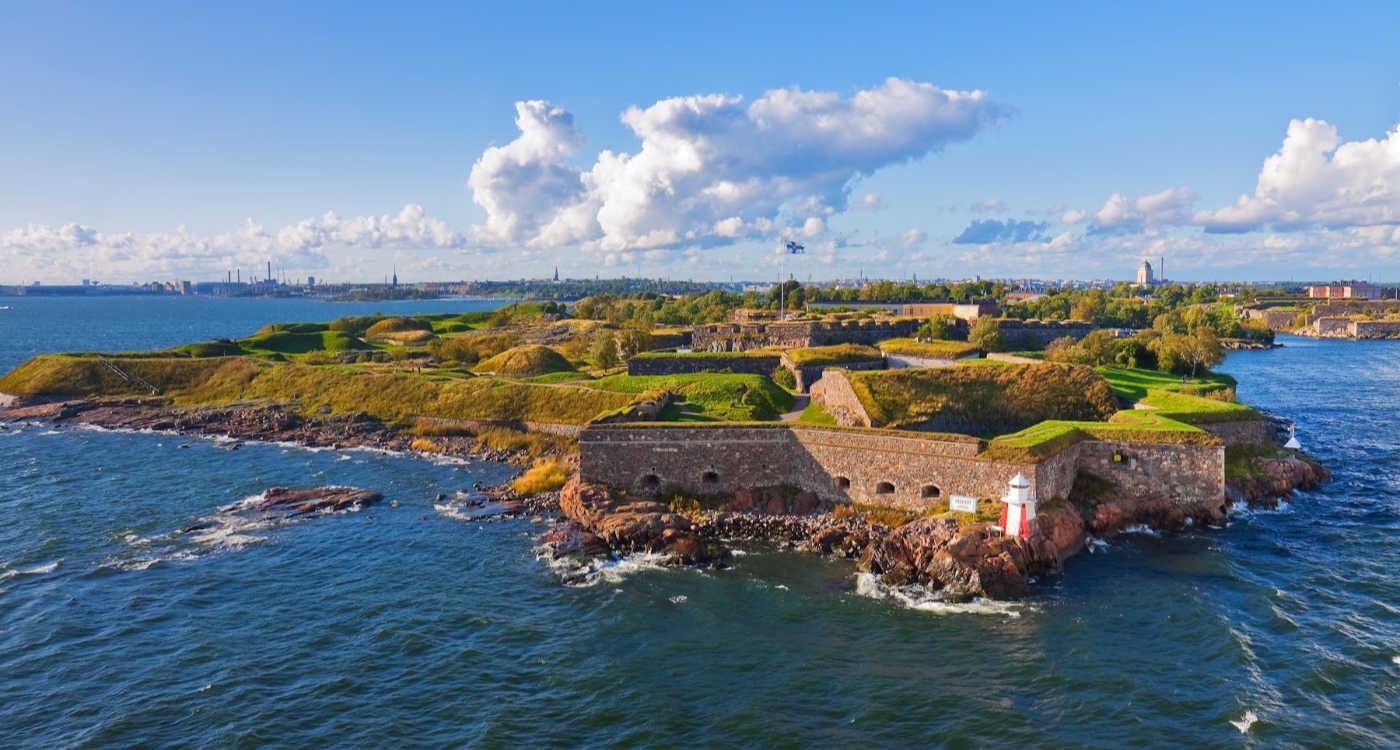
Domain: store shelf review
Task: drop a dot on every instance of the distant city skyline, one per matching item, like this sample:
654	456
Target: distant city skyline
1254	142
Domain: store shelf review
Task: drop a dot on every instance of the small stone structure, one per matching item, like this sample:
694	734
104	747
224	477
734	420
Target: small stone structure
887	468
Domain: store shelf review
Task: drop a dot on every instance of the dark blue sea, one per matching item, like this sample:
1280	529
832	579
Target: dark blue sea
417	626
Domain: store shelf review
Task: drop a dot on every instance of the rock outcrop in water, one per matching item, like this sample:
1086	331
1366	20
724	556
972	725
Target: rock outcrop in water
1274	478
315	500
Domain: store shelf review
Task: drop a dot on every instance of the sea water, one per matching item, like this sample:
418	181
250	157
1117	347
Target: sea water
422	626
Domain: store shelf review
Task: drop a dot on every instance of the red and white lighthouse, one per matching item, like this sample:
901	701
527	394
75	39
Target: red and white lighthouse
1018	508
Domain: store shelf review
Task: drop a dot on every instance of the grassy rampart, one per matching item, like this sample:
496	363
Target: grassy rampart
389	395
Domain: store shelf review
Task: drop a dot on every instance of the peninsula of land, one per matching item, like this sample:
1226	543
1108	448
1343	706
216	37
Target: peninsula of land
945	444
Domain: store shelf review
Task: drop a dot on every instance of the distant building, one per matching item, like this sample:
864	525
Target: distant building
1345	290
1144	274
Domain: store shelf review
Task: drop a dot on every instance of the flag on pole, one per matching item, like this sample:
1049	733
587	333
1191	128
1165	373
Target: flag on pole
795	249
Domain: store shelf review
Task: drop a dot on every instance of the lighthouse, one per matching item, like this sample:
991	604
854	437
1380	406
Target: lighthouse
1018	508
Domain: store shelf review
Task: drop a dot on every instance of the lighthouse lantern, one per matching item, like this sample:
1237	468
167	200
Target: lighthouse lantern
1018	508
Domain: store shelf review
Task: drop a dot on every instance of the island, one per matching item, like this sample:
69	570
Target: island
940	444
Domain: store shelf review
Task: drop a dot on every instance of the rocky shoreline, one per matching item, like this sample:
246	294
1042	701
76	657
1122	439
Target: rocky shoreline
957	558
261	422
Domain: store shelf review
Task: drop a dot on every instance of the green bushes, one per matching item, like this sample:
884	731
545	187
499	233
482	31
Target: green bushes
784	378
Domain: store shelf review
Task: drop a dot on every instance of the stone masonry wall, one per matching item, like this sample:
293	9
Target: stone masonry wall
881	468
758	365
835	394
736	337
1186	474
1035	334
1376	329
1243	431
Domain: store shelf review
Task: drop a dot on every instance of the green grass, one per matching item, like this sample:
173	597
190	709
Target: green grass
1133	383
930	349
390	396
1191	409
526	361
708	395
814	414
983	400
823	356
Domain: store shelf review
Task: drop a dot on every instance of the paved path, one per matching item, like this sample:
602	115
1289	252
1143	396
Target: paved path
799	402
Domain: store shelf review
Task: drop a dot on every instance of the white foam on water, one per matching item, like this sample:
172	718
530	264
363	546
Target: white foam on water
782	586
586	572
1245	722
678	599
1395	660
1141	528
922	599
36	570
1096	545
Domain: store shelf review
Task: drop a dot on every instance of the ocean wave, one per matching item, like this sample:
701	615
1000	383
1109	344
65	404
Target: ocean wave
36	570
586	572
936	602
1094	545
1245	722
1143	529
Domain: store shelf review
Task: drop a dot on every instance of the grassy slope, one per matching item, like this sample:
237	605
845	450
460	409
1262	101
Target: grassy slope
931	349
708	395
823	356
1013	396
385	394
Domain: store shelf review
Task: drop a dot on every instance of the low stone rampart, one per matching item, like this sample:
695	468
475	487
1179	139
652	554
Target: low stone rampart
877	467
1185	474
1241	431
835	394
737	337
690	363
1035	334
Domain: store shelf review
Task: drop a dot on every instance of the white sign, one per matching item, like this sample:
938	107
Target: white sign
962	503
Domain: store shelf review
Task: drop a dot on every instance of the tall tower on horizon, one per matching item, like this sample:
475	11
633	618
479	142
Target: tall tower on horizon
1144	274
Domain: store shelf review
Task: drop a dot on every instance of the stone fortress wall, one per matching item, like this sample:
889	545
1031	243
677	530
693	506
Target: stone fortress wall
738	337
884	468
1035	334
1348	328
690	363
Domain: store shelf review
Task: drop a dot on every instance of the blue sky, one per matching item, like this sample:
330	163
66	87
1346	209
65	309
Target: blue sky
138	140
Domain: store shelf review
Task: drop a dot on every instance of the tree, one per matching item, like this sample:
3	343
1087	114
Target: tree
1203	350
986	335
604	351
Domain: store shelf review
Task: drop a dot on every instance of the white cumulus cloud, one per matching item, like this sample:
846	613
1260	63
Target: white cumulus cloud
712	169
1318	179
1121	214
73	250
